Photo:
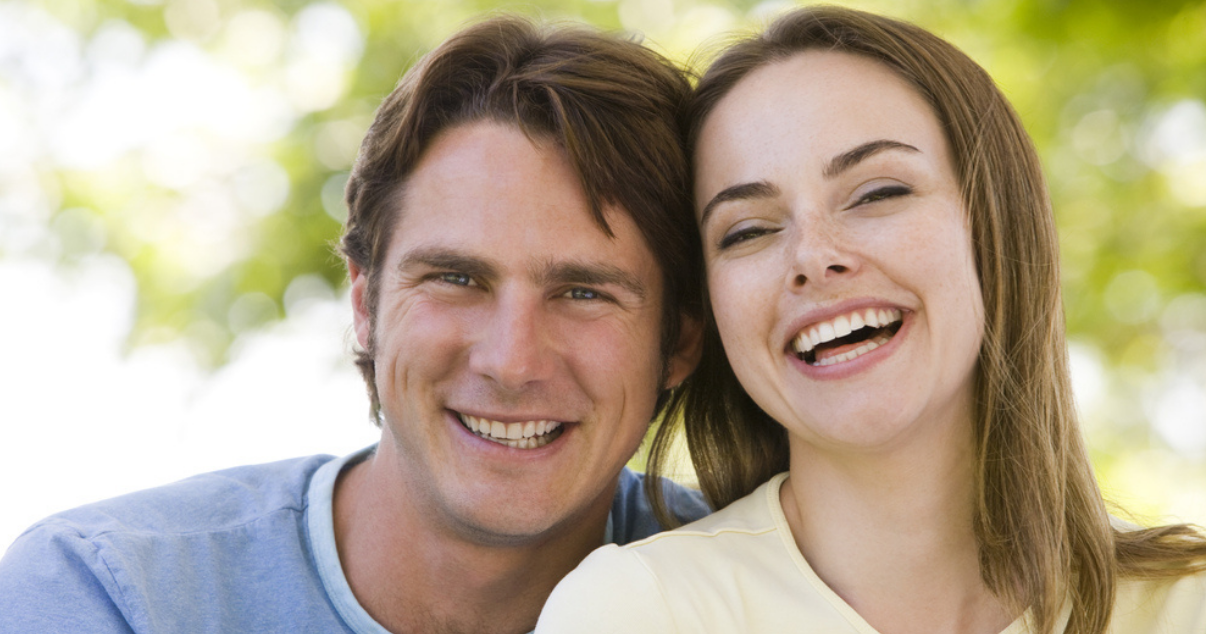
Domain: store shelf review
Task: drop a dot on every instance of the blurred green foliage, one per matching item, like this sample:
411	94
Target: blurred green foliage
1112	92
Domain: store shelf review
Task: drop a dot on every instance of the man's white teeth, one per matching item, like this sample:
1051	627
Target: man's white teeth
844	325
526	435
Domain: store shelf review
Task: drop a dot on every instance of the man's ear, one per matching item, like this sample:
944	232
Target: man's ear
361	317
686	353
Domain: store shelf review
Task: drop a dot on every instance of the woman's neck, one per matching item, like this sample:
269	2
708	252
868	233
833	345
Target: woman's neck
891	533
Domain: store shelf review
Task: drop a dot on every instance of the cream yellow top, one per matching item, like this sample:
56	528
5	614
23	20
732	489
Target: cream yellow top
739	570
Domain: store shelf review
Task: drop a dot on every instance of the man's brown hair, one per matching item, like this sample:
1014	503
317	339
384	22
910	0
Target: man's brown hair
612	105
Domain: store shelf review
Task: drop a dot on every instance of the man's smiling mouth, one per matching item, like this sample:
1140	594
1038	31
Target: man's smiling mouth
846	337
526	435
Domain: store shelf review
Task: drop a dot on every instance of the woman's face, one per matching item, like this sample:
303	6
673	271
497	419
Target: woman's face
839	257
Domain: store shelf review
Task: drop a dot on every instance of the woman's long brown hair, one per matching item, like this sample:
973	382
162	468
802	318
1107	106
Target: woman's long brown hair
1040	521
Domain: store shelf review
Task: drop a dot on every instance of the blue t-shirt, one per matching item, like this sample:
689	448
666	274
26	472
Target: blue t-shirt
250	549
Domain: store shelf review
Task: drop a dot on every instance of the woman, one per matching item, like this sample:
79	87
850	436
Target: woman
891	435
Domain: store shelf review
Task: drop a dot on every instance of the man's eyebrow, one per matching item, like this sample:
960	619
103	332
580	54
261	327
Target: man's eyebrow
744	191
847	160
442	258
590	274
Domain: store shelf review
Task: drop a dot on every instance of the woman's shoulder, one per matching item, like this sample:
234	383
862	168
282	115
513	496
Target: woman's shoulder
610	591
755	514
1173	605
673	580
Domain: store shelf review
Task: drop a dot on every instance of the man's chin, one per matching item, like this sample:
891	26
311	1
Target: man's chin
516	525
510	531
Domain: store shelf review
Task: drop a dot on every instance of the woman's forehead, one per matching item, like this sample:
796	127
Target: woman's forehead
813	106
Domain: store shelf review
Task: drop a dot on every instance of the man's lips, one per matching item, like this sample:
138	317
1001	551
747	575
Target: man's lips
519	435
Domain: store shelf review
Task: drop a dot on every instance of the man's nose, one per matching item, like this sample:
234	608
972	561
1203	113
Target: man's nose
513	349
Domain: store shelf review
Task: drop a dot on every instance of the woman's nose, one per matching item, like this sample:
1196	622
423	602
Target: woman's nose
820	255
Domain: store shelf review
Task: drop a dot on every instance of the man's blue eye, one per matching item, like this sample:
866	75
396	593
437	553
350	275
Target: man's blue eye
584	293
459	279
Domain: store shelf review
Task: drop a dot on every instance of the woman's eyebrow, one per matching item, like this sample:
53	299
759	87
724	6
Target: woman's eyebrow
849	159
744	191
835	166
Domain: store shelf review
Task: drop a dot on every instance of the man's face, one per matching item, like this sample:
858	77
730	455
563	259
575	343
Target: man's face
517	345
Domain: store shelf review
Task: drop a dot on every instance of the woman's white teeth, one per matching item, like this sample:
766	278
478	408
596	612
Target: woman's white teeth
867	346
526	435
842	326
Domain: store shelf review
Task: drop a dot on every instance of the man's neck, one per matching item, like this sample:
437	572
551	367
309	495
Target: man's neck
412	574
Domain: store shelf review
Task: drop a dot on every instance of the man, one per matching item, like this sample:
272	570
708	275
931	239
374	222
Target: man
521	252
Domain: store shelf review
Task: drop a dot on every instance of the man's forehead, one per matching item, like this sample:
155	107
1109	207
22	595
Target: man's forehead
484	146
472	144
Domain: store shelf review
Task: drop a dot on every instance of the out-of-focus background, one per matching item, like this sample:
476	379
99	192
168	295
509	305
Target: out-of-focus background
171	177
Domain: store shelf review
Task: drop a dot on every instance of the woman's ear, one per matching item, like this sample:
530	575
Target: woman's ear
686	353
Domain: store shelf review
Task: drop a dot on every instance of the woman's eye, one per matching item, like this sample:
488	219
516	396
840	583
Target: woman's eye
882	193
742	235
